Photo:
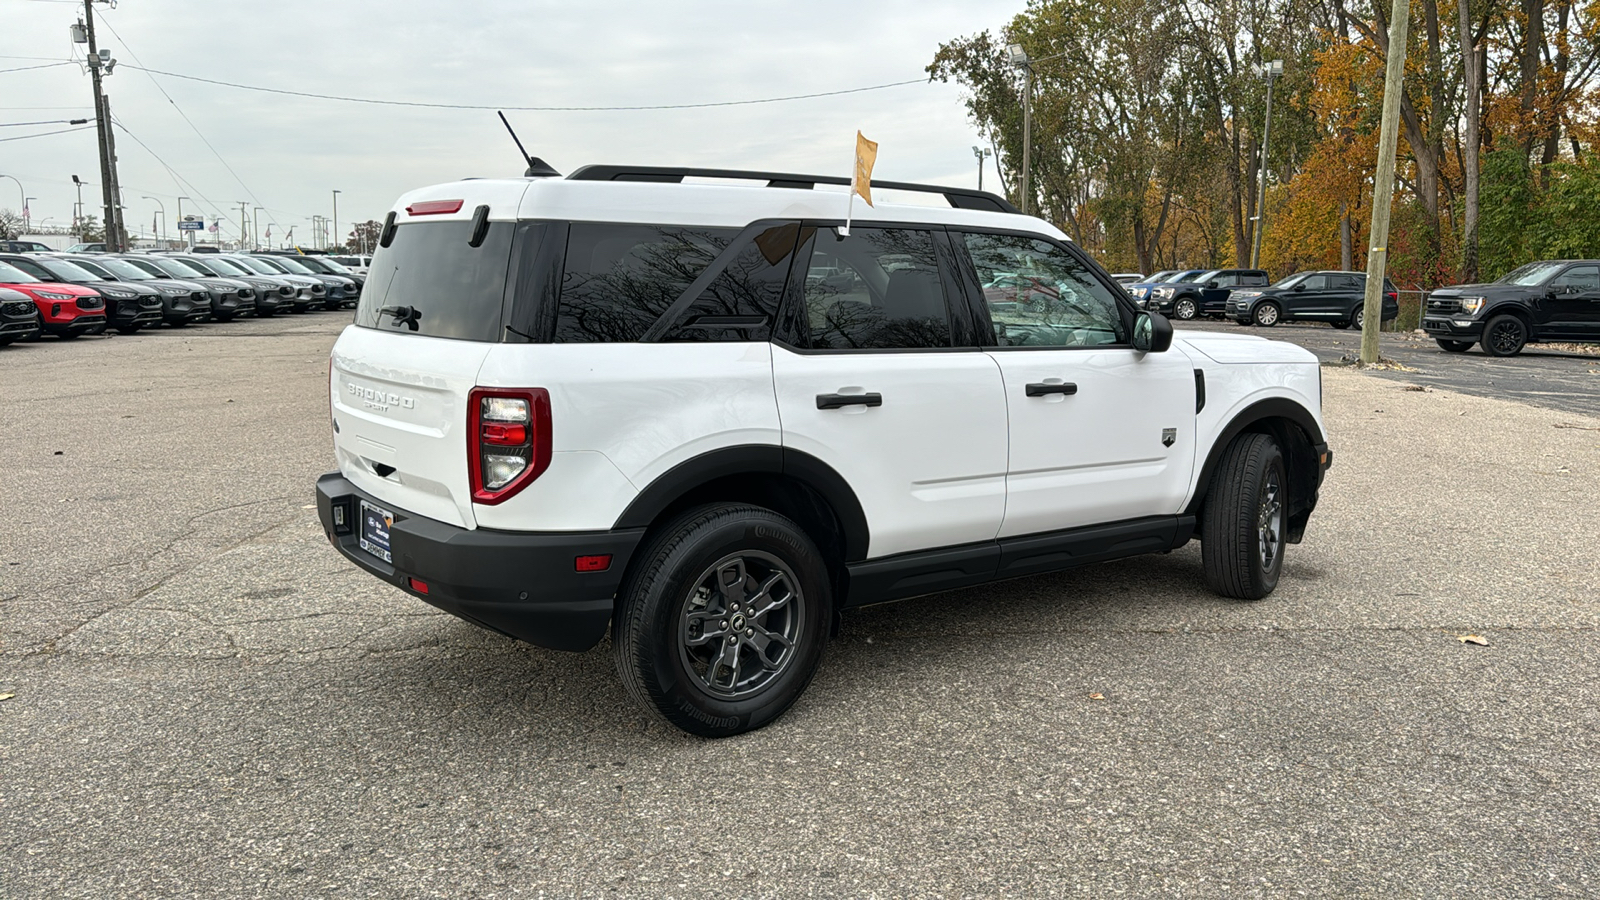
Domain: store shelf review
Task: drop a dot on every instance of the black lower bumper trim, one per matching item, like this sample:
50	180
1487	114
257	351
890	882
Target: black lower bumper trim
521	584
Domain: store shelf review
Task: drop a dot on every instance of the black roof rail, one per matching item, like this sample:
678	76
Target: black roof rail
958	198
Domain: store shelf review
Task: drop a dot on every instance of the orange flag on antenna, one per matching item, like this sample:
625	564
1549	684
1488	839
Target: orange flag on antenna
866	155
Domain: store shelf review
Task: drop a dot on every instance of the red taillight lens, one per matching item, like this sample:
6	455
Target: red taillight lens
598	563
1393	296
433	208
508	440
504	434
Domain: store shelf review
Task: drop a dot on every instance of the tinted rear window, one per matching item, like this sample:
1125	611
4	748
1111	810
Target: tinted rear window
429	276
619	279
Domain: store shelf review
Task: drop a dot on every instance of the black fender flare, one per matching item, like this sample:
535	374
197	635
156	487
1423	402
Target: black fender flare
755	459
1261	410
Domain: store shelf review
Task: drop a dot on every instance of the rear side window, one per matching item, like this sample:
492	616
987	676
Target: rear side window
431	282
619	279
1253	279
878	289
741	302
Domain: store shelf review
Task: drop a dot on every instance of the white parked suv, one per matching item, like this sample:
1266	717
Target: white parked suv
704	416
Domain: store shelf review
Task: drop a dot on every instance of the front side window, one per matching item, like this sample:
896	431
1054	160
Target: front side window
1315	283
1039	295
1583	278
619	279
877	289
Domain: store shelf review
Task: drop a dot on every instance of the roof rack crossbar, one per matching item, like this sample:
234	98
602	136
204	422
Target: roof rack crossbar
958	198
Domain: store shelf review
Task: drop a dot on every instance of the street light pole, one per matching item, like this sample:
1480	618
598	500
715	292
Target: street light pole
1271	70
163	218
333	237
244	226
1019	58
77	211
188	235
982	154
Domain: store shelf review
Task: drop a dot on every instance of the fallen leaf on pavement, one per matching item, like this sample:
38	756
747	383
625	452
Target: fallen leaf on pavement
1097	696
6	696
1473	639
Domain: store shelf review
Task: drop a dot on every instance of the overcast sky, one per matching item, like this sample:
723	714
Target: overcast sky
290	153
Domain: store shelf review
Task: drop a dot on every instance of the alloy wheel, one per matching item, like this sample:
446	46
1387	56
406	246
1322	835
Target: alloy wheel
1269	522
740	624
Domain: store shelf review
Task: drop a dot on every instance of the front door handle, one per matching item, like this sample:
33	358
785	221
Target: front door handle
835	401
1039	390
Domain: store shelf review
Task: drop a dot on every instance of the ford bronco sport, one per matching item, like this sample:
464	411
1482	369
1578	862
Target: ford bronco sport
707	418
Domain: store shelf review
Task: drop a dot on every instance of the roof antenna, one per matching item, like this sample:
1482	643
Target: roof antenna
536	166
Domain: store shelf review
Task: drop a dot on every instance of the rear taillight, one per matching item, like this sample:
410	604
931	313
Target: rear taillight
508	440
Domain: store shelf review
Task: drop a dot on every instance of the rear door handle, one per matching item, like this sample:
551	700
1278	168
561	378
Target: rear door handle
835	401
1038	389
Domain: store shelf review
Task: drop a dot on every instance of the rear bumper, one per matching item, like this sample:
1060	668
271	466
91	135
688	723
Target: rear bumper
521	584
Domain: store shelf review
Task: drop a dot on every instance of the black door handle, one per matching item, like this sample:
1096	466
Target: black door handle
1039	390
835	401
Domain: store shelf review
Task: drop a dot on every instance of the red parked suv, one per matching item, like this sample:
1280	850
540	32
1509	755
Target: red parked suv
65	310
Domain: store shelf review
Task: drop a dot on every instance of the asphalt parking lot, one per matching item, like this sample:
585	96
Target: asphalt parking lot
208	701
1540	375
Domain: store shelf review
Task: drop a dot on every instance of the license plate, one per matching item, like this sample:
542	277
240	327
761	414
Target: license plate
375	524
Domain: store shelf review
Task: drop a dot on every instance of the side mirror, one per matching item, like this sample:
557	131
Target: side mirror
1152	333
1212	283
1301	286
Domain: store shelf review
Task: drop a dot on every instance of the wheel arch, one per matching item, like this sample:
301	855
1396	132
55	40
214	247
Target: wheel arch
1301	440
787	481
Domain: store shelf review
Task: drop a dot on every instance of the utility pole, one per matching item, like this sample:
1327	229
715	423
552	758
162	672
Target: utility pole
116	234
1018	57
1271	70
1383	180
244	226
255	226
333	239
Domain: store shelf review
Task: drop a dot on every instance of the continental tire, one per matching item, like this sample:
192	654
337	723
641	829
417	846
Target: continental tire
722	622
1242	537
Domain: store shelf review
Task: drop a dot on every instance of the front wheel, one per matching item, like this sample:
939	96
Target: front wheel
1504	336
1246	516
129	329
1454	346
1359	319
1341	324
1267	314
1184	308
722	621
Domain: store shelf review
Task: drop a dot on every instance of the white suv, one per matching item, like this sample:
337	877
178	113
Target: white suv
705	416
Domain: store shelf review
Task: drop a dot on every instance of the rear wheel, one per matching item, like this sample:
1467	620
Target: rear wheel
1504	336
128	329
1246	517
722	620
1454	346
1184	308
1267	314
1359	319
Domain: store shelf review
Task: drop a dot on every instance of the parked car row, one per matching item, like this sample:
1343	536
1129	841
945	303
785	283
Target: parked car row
73	294
1246	296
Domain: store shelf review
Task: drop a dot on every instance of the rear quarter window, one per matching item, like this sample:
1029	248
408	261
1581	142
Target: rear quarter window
431	277
619	279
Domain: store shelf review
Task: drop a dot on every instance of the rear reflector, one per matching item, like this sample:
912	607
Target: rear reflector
420	587
434	208
598	563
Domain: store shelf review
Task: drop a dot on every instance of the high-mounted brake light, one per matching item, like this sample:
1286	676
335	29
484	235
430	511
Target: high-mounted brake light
508	440
434	207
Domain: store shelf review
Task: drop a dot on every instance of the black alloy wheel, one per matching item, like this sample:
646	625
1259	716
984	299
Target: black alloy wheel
1266	314
1246	517
1183	308
722	619
1454	346
1504	336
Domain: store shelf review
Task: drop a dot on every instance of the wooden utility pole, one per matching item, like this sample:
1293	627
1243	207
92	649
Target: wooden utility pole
1469	82
1383	181
116	235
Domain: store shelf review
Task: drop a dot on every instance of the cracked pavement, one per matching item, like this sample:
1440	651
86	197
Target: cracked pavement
210	702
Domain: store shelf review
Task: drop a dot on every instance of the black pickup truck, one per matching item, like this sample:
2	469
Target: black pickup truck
1549	300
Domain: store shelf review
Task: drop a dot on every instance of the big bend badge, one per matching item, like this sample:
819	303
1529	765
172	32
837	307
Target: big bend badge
1168	436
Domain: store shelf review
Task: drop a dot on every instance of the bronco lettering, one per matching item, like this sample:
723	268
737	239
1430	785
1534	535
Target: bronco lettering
375	399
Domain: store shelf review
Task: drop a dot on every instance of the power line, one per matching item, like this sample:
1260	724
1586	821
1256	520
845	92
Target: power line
251	194
177	179
45	122
266	90
44	66
23	137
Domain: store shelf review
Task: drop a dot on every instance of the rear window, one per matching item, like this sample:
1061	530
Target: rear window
430	281
619	279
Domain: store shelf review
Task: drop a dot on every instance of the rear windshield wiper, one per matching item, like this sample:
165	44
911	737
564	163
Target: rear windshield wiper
407	315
